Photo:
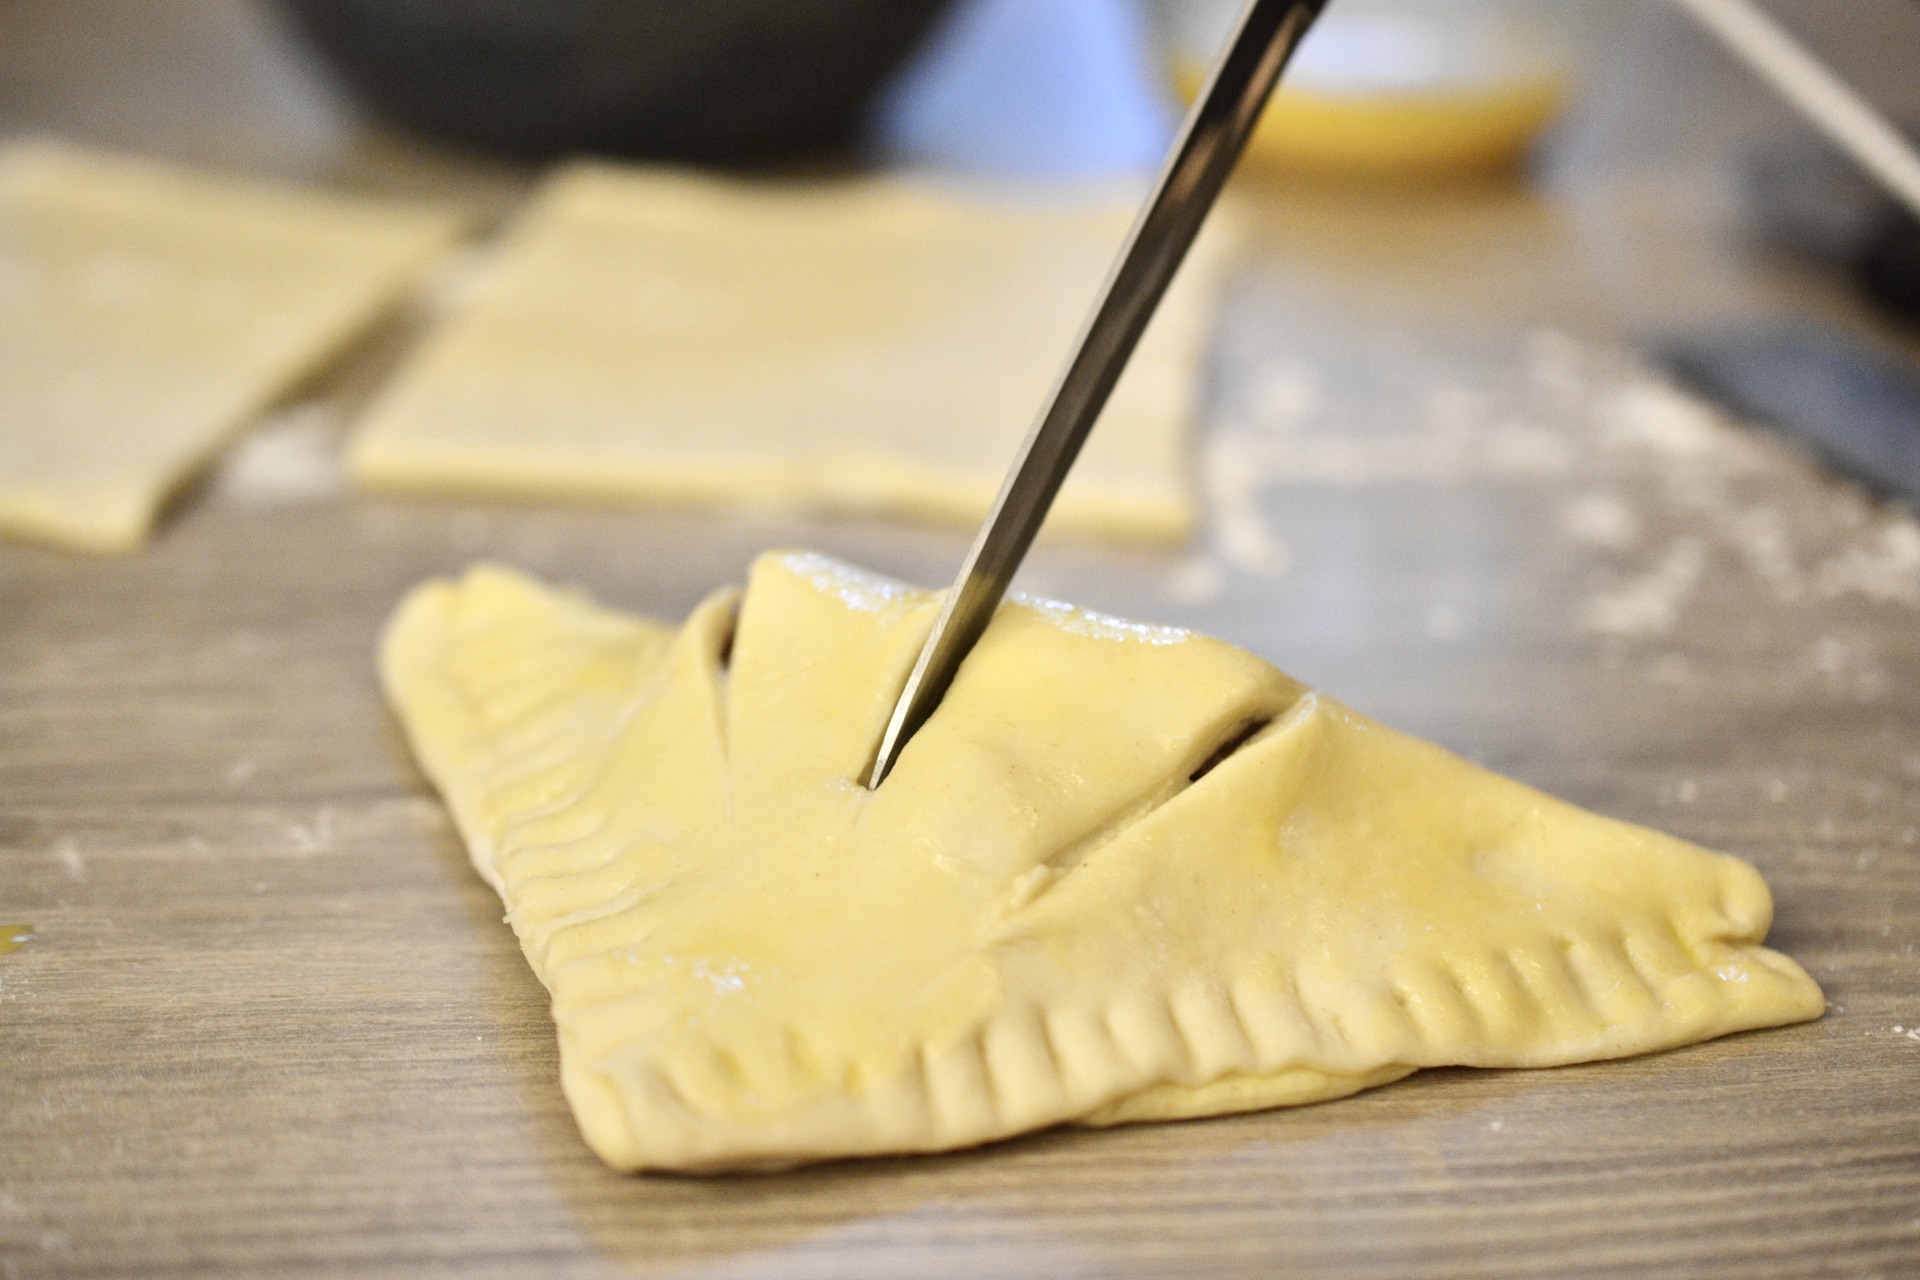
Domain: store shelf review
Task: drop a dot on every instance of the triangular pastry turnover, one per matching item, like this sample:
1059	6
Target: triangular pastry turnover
1125	873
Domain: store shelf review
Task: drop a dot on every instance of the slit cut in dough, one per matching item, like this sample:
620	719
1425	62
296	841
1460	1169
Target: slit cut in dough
147	312
1043	915
869	345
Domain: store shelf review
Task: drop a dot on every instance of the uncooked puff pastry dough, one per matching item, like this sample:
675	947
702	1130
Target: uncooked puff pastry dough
1041	916
147	312
874	345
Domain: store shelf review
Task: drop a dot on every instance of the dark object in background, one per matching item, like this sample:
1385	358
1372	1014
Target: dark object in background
717	81
1855	406
1807	196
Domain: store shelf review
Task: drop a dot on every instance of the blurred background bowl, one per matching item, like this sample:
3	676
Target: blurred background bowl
1403	90
714	81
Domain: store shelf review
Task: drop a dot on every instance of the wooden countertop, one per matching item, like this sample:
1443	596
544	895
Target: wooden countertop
270	1023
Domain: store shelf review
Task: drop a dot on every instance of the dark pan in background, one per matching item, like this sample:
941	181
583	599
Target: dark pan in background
1804	195
713	81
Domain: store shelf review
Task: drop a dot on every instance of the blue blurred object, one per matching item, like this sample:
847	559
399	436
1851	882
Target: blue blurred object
1858	407
1032	89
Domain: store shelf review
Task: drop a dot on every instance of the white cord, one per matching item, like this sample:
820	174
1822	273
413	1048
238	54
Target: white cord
1825	99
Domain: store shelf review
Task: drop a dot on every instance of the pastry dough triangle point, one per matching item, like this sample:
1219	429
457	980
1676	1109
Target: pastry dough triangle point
1125	873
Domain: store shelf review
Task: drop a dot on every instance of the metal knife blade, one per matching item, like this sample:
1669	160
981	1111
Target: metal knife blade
1215	131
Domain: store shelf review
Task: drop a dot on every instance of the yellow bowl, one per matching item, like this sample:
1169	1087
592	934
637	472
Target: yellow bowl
1402	136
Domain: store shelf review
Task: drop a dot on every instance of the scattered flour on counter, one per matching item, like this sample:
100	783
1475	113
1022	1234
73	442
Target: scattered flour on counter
1601	520
1761	539
1649	605
314	837
1282	396
1247	543
1701	474
1679	791
1236	473
293	457
1886	570
1658	490
1525	450
1850	668
1652	414
66	852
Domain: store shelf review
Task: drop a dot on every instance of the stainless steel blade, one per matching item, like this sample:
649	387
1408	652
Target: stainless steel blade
1216	129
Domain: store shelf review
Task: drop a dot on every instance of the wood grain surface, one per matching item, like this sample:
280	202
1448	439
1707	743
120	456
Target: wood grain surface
269	1022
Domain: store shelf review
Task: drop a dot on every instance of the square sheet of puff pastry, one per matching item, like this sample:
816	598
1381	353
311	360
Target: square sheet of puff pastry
874	344
146	312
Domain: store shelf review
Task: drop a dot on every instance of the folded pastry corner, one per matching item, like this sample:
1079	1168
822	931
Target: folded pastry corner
1125	873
